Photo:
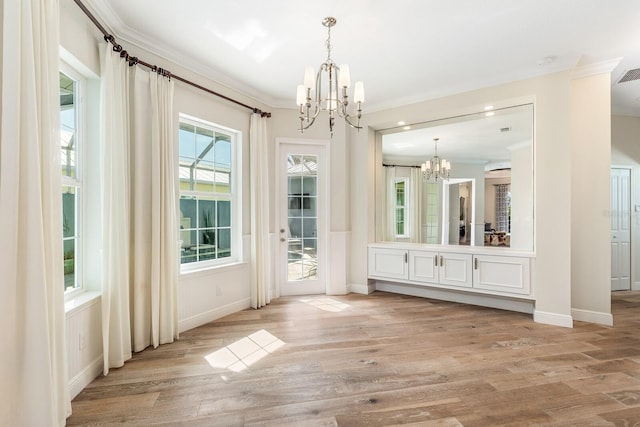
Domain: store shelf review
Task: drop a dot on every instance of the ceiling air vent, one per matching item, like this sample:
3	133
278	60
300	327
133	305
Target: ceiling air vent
630	76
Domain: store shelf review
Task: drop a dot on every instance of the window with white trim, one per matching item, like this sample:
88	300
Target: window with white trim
71	119
209	196
400	187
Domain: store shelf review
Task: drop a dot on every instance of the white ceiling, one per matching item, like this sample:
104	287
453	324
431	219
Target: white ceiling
482	138
404	50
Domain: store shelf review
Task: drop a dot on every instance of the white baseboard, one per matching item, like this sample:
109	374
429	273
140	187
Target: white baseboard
84	378
592	317
357	288
211	315
552	319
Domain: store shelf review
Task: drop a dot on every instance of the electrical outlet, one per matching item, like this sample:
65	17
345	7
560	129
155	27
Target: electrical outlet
82	343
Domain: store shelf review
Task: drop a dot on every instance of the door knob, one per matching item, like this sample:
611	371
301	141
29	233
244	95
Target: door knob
282	230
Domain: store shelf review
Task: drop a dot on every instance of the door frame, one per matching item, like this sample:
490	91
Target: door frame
323	253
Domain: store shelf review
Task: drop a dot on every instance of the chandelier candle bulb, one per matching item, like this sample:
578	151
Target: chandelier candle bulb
358	92
345	76
309	77
301	96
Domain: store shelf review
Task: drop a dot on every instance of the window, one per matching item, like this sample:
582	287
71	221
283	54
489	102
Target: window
432	211
70	119
401	207
208	195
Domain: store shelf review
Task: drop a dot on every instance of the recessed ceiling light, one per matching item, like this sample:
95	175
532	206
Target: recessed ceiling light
488	107
546	60
489	113
406	127
401	123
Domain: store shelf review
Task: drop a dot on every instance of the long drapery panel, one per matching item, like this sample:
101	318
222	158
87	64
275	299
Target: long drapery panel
155	216
115	183
33	370
140	307
260	263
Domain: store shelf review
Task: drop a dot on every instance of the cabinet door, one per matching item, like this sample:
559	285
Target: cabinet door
423	266
502	274
455	269
388	263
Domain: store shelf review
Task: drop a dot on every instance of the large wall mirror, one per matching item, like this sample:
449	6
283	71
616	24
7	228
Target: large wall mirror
487	199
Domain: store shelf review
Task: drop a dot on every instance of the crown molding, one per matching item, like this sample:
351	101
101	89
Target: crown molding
595	68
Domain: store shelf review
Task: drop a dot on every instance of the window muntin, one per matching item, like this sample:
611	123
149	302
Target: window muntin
208	197
70	119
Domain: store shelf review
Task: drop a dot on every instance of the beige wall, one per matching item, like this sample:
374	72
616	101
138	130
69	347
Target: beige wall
552	152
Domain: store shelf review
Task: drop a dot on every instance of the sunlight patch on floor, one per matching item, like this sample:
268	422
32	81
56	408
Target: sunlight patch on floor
243	353
326	304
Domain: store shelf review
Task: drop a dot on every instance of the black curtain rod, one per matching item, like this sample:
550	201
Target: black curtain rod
133	60
399	166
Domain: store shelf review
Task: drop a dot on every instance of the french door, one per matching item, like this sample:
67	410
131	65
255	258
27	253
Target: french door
302	218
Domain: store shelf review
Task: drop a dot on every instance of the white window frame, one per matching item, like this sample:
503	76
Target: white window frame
404	207
77	182
235	196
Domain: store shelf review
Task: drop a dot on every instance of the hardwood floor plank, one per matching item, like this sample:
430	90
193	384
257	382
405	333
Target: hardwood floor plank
381	360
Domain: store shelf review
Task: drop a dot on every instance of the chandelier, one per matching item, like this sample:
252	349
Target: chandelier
436	167
337	81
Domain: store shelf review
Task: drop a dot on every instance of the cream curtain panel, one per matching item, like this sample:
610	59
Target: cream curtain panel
260	263
140	210
33	370
114	154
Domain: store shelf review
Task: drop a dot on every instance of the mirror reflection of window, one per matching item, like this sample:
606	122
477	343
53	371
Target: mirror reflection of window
489	150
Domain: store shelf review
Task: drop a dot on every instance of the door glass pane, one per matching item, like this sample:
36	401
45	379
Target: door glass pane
302	218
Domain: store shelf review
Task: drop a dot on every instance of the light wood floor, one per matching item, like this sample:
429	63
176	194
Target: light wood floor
379	360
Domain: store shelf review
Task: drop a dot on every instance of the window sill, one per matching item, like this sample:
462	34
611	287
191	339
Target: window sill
80	301
215	269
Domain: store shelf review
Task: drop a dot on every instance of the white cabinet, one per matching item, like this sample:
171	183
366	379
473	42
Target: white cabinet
466	269
423	266
388	263
442	268
503	274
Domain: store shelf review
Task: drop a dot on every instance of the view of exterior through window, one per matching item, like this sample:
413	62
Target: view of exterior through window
302	217
71	183
206	191
401	207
